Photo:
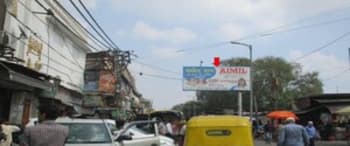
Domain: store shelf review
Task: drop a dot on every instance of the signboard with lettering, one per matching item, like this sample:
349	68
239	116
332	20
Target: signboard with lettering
216	78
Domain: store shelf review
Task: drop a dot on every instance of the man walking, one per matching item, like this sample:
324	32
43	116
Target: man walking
292	134
47	132
311	132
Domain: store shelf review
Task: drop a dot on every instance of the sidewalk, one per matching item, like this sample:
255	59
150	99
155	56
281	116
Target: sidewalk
318	143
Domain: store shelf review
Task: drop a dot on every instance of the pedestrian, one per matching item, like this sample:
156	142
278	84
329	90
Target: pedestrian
176	130
47	132
268	129
182	132
292	134
7	131
169	130
260	130
162	127
255	127
311	132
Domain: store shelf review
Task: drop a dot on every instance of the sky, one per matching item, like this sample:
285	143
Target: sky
169	34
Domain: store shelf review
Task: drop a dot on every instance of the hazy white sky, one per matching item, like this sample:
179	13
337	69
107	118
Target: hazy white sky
157	29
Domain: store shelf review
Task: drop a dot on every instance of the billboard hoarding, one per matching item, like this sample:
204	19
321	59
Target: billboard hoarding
235	78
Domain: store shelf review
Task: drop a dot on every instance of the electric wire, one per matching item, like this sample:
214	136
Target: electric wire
323	46
158	68
33	32
91	36
273	32
308	18
59	71
308	26
64	25
159	76
90	24
97	24
52	59
306	55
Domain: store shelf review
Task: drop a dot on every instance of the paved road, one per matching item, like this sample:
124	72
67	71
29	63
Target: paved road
318	143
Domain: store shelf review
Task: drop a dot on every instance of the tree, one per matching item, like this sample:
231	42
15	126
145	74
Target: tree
219	102
190	108
276	84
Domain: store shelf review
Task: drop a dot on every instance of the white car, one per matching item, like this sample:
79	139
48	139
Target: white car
98	132
137	133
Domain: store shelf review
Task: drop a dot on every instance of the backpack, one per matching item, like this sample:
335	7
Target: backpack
2	134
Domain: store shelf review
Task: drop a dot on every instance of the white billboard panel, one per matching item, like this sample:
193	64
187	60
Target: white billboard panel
216	78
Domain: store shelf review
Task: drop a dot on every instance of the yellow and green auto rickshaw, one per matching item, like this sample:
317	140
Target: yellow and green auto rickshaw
219	131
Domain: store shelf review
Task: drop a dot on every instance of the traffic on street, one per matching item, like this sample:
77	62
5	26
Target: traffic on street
174	73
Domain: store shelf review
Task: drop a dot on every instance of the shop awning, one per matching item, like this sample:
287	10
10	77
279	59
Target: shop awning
12	73
333	109
344	111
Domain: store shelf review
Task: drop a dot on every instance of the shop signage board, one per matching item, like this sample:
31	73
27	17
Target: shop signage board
210	78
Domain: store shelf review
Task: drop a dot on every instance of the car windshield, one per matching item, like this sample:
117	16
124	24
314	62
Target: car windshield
87	133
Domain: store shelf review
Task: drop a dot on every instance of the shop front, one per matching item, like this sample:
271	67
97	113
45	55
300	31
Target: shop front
322	110
18	87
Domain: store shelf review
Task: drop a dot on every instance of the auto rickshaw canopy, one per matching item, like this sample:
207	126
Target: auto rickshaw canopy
219	131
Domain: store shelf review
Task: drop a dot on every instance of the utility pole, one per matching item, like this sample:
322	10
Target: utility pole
240	103
194	97
250	47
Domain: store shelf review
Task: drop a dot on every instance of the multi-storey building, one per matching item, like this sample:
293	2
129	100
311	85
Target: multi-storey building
42	58
109	86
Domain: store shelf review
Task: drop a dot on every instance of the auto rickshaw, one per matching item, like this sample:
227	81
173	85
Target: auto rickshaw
219	131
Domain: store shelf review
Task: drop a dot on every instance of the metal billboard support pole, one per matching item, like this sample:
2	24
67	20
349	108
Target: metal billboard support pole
240	103
251	80
250	73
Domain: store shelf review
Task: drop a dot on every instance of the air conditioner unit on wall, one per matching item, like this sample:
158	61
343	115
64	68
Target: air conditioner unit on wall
8	45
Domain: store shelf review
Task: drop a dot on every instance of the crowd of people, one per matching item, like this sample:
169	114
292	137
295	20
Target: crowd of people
286	132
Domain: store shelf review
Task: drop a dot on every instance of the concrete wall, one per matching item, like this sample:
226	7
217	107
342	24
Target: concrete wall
45	44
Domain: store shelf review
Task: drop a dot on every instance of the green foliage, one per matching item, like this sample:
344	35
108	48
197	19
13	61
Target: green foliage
276	84
190	108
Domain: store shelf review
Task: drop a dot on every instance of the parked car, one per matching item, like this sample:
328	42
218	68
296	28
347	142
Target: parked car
137	133
98	132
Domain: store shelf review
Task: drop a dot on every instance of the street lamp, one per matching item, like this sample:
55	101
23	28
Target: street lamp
251	75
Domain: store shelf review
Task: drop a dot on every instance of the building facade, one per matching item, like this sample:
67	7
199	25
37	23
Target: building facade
42	58
109	87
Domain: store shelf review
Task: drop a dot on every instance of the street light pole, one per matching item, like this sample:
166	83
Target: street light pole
251	73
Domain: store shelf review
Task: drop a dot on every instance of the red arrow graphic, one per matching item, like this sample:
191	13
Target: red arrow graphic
216	61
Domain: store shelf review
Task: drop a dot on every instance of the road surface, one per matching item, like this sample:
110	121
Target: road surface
318	143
